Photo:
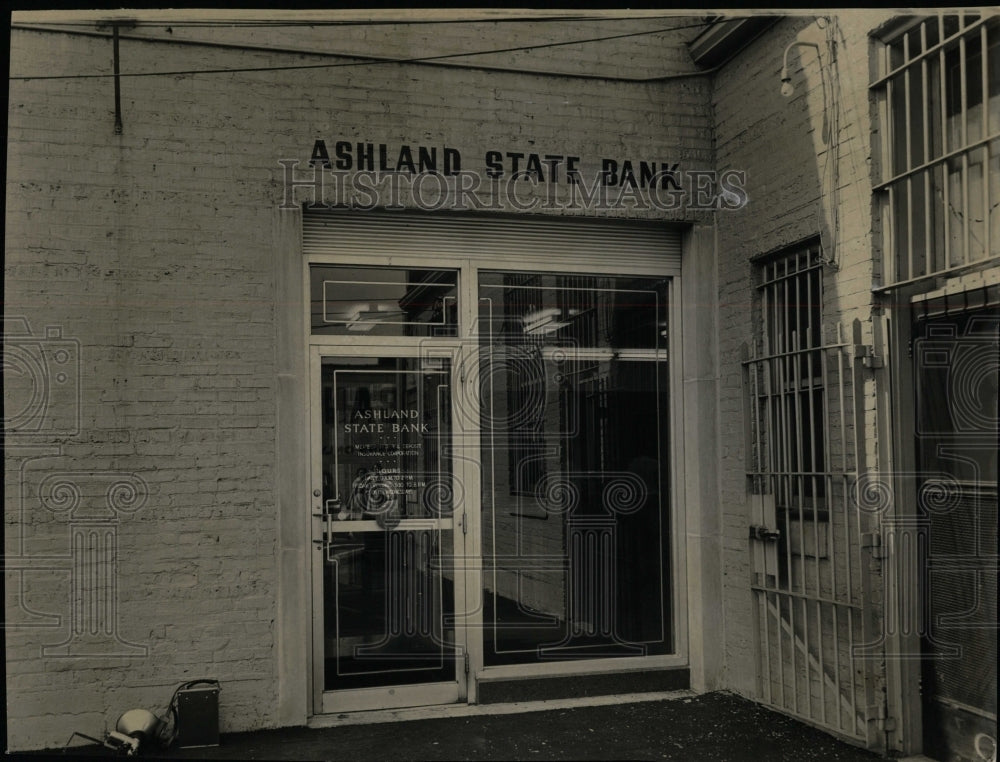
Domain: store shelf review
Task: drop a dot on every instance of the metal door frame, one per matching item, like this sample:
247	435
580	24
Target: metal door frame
463	350
394	696
905	524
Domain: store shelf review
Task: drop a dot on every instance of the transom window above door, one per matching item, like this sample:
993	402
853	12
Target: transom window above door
383	301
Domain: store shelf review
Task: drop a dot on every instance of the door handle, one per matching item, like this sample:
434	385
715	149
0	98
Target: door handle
758	532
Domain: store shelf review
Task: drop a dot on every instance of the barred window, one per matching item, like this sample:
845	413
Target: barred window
938	92
788	383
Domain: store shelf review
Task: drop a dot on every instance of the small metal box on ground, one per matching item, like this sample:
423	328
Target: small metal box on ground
198	716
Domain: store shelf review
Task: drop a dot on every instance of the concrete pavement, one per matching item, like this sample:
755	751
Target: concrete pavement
679	726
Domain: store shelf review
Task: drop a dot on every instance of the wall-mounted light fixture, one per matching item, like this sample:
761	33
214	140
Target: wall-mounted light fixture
786	79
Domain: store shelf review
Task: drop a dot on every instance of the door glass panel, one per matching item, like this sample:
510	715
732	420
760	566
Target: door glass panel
574	393
957	387
383	301
388	576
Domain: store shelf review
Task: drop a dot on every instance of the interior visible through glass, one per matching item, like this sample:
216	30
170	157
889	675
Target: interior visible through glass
574	421
383	301
388	493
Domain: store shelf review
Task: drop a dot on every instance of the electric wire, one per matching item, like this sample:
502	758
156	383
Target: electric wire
417	59
171	716
194	24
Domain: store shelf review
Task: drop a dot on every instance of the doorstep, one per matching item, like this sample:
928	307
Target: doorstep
448	711
507	690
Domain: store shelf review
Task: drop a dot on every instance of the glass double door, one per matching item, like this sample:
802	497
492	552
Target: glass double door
491	485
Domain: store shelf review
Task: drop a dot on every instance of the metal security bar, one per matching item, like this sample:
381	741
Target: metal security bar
938	94
810	580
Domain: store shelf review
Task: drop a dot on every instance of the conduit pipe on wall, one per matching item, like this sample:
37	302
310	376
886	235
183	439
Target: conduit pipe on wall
831	118
118	85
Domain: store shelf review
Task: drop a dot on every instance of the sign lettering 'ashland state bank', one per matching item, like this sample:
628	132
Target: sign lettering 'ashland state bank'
545	168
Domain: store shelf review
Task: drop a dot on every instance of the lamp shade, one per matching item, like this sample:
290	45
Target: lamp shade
139	723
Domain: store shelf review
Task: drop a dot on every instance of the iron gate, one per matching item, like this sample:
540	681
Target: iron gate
810	541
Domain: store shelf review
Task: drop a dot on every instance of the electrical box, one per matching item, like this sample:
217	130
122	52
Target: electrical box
198	716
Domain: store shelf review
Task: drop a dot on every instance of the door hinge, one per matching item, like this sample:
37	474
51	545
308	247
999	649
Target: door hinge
880	715
872	541
466	662
868	357
465	526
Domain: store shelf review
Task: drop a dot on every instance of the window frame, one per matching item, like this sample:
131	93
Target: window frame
780	450
934	163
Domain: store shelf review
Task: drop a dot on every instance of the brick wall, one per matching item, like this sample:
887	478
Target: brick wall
799	186
150	251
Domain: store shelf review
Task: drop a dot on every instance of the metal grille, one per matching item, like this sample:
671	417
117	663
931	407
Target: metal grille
809	579
492	238
962	558
938	92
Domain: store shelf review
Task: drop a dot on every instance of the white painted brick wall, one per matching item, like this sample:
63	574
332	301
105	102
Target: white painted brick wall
152	250
777	141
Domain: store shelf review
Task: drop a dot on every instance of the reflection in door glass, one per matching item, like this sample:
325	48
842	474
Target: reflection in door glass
574	392
388	582
956	365
383	301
